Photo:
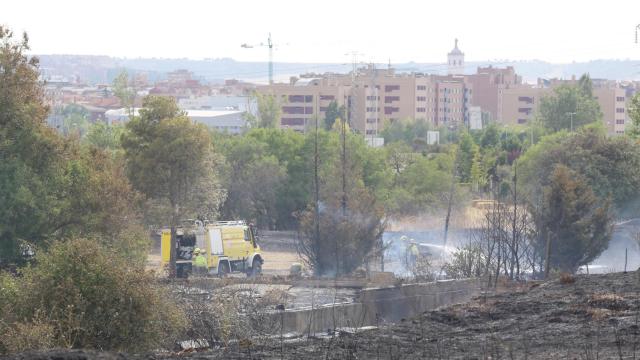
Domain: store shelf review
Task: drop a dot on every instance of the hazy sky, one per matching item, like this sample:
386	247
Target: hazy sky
324	31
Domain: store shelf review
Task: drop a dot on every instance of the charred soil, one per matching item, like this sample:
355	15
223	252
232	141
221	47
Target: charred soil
581	317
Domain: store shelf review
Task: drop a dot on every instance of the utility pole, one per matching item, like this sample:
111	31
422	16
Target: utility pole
316	184
270	45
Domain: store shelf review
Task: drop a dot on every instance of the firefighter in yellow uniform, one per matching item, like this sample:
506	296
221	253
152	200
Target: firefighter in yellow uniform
199	262
412	253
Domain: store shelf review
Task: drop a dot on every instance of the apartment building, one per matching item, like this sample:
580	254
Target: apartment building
489	84
613	104
373	97
520	104
305	100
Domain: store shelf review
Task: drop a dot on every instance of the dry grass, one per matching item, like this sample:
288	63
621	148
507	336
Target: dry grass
598	313
609	301
566	278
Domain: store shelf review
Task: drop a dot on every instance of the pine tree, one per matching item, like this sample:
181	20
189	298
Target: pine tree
575	225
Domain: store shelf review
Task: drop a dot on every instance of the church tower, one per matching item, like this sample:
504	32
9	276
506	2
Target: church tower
455	64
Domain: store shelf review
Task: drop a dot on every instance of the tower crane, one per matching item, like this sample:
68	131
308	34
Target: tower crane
268	44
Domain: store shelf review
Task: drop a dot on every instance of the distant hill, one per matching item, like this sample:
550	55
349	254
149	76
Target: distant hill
102	69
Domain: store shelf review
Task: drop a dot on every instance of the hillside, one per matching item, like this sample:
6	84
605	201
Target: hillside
102	69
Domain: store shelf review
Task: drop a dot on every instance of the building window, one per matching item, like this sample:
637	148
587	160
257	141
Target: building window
296	98
293	109
526	99
390	99
308	110
421	98
525	110
389	88
372	109
308	98
292	121
327	97
620	110
371	132
422	87
619	98
421	109
372	120
323	108
371	97
388	110
522	121
620	121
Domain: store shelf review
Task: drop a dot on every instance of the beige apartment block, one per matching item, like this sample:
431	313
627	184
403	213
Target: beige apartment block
304	101
488	84
520	104
373	97
613	106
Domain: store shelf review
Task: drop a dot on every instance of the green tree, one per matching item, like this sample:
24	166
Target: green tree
570	107
333	113
411	132
75	120
575	224
259	149
52	187
610	165
586	86
634	115
466	152
269	110
170	158
123	91
490	136
104	136
253	181
478	174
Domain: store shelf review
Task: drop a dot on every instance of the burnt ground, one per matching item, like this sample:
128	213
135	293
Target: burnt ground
586	317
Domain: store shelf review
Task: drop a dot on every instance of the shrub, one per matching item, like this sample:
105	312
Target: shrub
236	313
38	334
93	298
566	278
466	262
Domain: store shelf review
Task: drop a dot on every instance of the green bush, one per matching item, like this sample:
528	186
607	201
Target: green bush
84	295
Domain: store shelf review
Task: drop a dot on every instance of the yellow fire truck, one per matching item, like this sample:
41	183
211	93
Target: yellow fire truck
231	246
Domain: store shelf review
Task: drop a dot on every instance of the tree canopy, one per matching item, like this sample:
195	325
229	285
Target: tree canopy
53	187
570	106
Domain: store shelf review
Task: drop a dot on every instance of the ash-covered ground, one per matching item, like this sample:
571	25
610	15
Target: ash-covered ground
582	317
586	317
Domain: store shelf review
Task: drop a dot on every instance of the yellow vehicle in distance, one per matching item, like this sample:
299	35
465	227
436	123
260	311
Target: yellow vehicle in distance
230	246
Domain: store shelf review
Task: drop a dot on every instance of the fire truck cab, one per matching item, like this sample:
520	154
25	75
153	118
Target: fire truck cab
231	247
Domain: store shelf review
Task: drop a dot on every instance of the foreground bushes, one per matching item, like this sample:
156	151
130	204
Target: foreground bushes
80	294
